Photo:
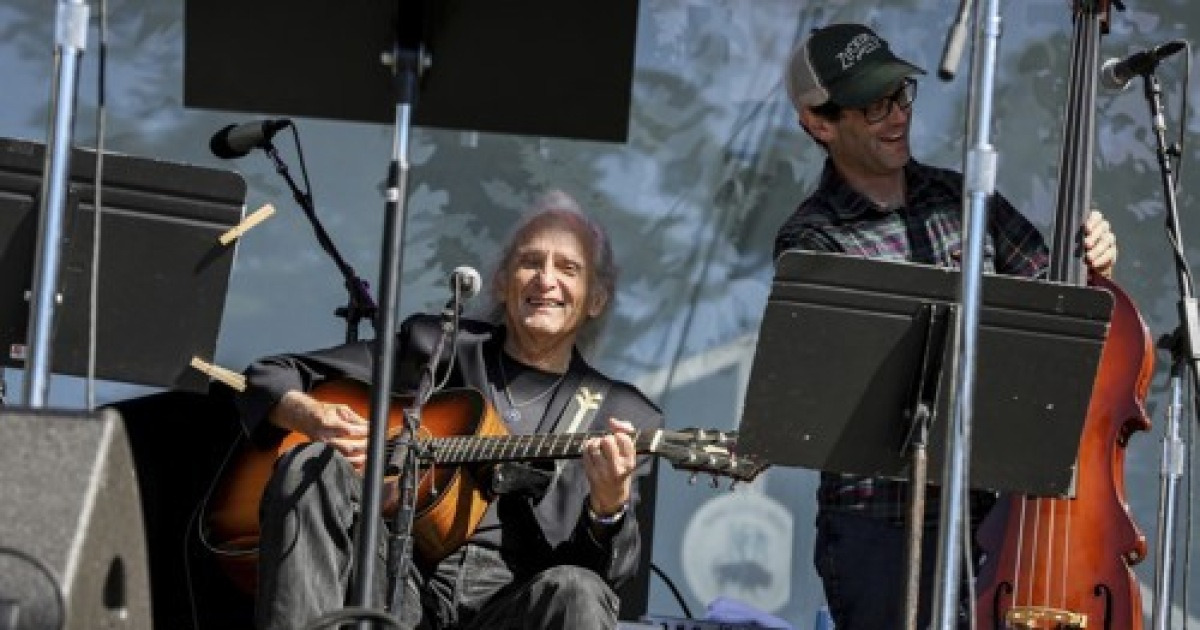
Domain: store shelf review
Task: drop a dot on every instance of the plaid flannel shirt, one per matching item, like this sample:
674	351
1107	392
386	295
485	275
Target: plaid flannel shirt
928	229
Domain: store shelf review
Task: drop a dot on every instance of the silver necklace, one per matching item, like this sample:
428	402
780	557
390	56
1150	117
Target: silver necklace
513	414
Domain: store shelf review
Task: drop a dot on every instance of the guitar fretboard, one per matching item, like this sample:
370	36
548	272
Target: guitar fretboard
536	446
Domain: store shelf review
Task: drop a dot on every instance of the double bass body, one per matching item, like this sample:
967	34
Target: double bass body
1066	563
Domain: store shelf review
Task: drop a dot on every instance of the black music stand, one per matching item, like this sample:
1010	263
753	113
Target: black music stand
163	274
534	67
839	356
855	356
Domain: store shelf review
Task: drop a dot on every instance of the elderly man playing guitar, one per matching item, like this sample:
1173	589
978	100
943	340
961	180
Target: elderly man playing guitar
555	539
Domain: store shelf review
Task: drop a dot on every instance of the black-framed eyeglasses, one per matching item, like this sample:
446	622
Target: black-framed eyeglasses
882	108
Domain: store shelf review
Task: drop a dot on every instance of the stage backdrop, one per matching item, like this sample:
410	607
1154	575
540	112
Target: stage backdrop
713	163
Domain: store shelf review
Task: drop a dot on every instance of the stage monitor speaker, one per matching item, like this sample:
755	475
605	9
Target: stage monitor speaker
72	547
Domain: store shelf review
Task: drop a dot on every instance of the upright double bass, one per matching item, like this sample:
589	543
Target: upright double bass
1056	563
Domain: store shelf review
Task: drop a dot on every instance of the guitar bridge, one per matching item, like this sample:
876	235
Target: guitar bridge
1043	618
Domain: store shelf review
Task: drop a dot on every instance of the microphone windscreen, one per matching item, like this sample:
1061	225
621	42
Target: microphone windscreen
468	279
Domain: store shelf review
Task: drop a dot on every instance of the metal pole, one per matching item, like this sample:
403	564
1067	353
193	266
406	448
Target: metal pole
70	36
1173	459
410	62
979	183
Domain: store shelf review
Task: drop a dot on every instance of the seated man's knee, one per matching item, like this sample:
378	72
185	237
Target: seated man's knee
578	587
306	466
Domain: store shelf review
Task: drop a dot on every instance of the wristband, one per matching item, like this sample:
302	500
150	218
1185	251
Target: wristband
609	520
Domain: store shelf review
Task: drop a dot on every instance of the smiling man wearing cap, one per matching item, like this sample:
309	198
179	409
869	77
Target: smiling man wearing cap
855	98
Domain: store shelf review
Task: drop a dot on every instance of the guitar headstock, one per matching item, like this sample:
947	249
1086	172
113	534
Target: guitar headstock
708	451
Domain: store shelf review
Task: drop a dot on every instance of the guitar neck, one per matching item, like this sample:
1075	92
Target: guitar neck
535	446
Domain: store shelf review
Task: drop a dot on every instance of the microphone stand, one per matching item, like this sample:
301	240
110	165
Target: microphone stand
71	23
979	179
922	412
408	61
404	459
359	304
1184	356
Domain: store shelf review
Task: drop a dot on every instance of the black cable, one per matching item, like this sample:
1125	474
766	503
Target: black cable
1183	115
1172	238
193	521
457	305
360	303
202	508
42	567
1191	501
968	552
1180	154
674	590
97	187
303	164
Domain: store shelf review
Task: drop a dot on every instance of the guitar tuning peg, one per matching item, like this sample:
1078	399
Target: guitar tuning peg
733	485
692	479
714	481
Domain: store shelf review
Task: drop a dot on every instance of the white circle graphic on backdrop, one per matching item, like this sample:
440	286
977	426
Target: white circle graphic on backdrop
739	545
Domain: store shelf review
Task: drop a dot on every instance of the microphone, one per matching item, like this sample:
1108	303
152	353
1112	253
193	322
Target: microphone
1116	74
235	141
466	281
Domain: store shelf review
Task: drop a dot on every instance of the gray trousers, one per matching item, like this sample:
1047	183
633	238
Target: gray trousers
308	515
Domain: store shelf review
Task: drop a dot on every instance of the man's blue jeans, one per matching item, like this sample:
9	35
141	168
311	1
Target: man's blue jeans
862	564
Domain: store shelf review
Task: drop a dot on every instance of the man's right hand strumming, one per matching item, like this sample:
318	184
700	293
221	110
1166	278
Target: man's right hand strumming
335	424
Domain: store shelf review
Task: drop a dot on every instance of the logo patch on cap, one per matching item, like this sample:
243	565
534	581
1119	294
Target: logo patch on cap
857	48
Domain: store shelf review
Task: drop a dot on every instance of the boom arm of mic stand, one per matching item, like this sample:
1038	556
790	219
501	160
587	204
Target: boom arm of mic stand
359	303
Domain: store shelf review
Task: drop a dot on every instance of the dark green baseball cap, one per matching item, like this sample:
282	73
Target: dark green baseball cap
845	64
